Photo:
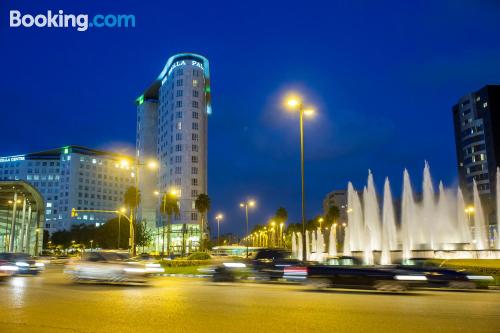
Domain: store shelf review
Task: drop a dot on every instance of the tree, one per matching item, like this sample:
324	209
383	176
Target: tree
107	234
332	215
202	205
281	215
143	236
132	199
169	207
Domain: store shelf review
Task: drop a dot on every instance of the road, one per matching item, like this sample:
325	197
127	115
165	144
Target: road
50	303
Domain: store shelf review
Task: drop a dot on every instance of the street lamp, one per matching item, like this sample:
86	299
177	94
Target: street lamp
218	218
320	220
295	103
281	234
249	203
120	213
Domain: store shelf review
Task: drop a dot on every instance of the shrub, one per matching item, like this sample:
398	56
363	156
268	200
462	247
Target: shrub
199	256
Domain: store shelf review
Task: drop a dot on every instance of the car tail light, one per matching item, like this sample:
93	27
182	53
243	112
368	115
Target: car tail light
295	271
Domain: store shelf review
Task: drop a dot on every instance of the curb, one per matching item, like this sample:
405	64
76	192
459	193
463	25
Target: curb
185	275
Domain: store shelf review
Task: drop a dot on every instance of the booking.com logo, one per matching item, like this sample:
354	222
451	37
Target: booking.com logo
61	20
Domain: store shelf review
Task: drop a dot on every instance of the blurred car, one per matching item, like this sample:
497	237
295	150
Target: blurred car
151	262
25	263
7	270
445	277
346	272
107	267
265	264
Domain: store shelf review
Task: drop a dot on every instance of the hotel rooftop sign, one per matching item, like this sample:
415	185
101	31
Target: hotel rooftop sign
11	158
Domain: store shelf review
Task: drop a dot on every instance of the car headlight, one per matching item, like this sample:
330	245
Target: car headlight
9	268
480	277
22	264
410	277
234	265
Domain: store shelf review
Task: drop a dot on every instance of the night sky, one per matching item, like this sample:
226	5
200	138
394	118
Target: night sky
383	76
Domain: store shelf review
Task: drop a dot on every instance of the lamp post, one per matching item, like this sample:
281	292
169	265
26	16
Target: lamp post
122	212
281	242
470	210
249	203
295	103
218	218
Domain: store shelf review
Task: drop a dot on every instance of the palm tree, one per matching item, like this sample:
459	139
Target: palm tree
281	216
202	205
332	215
169	207
132	199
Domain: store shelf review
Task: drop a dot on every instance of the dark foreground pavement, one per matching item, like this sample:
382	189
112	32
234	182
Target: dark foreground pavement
50	303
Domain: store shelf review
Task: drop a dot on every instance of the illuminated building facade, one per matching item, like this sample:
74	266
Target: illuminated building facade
73	177
181	98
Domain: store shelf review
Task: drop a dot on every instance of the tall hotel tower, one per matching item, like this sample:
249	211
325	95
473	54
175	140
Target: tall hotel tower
172	128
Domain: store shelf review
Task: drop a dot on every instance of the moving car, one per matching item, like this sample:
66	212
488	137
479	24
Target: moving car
265	264
151	262
445	277
345	272
7	270
107	267
25	263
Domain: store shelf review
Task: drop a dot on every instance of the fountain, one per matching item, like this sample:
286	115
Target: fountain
389	232
463	224
332	241
434	226
308	246
371	214
480	236
354	233
408	217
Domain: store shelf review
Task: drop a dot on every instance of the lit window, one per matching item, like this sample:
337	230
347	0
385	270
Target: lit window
195	83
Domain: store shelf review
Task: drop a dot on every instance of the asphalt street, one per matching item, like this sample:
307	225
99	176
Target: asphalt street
51	303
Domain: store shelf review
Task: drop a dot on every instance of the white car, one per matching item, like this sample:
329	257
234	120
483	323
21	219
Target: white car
7	270
107	267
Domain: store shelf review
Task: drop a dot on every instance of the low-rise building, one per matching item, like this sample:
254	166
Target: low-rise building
73	177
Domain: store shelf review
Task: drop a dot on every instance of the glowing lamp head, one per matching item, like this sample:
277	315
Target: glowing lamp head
251	203
309	112
152	164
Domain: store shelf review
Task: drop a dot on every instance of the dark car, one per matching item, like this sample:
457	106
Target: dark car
25	263
445	277
345	272
265	264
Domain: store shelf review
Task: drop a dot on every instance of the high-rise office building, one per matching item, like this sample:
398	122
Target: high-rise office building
73	177
476	119
175	109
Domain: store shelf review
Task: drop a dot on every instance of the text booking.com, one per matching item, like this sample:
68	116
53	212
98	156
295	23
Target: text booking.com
80	22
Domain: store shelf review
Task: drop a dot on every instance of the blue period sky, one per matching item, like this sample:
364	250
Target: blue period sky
383	76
